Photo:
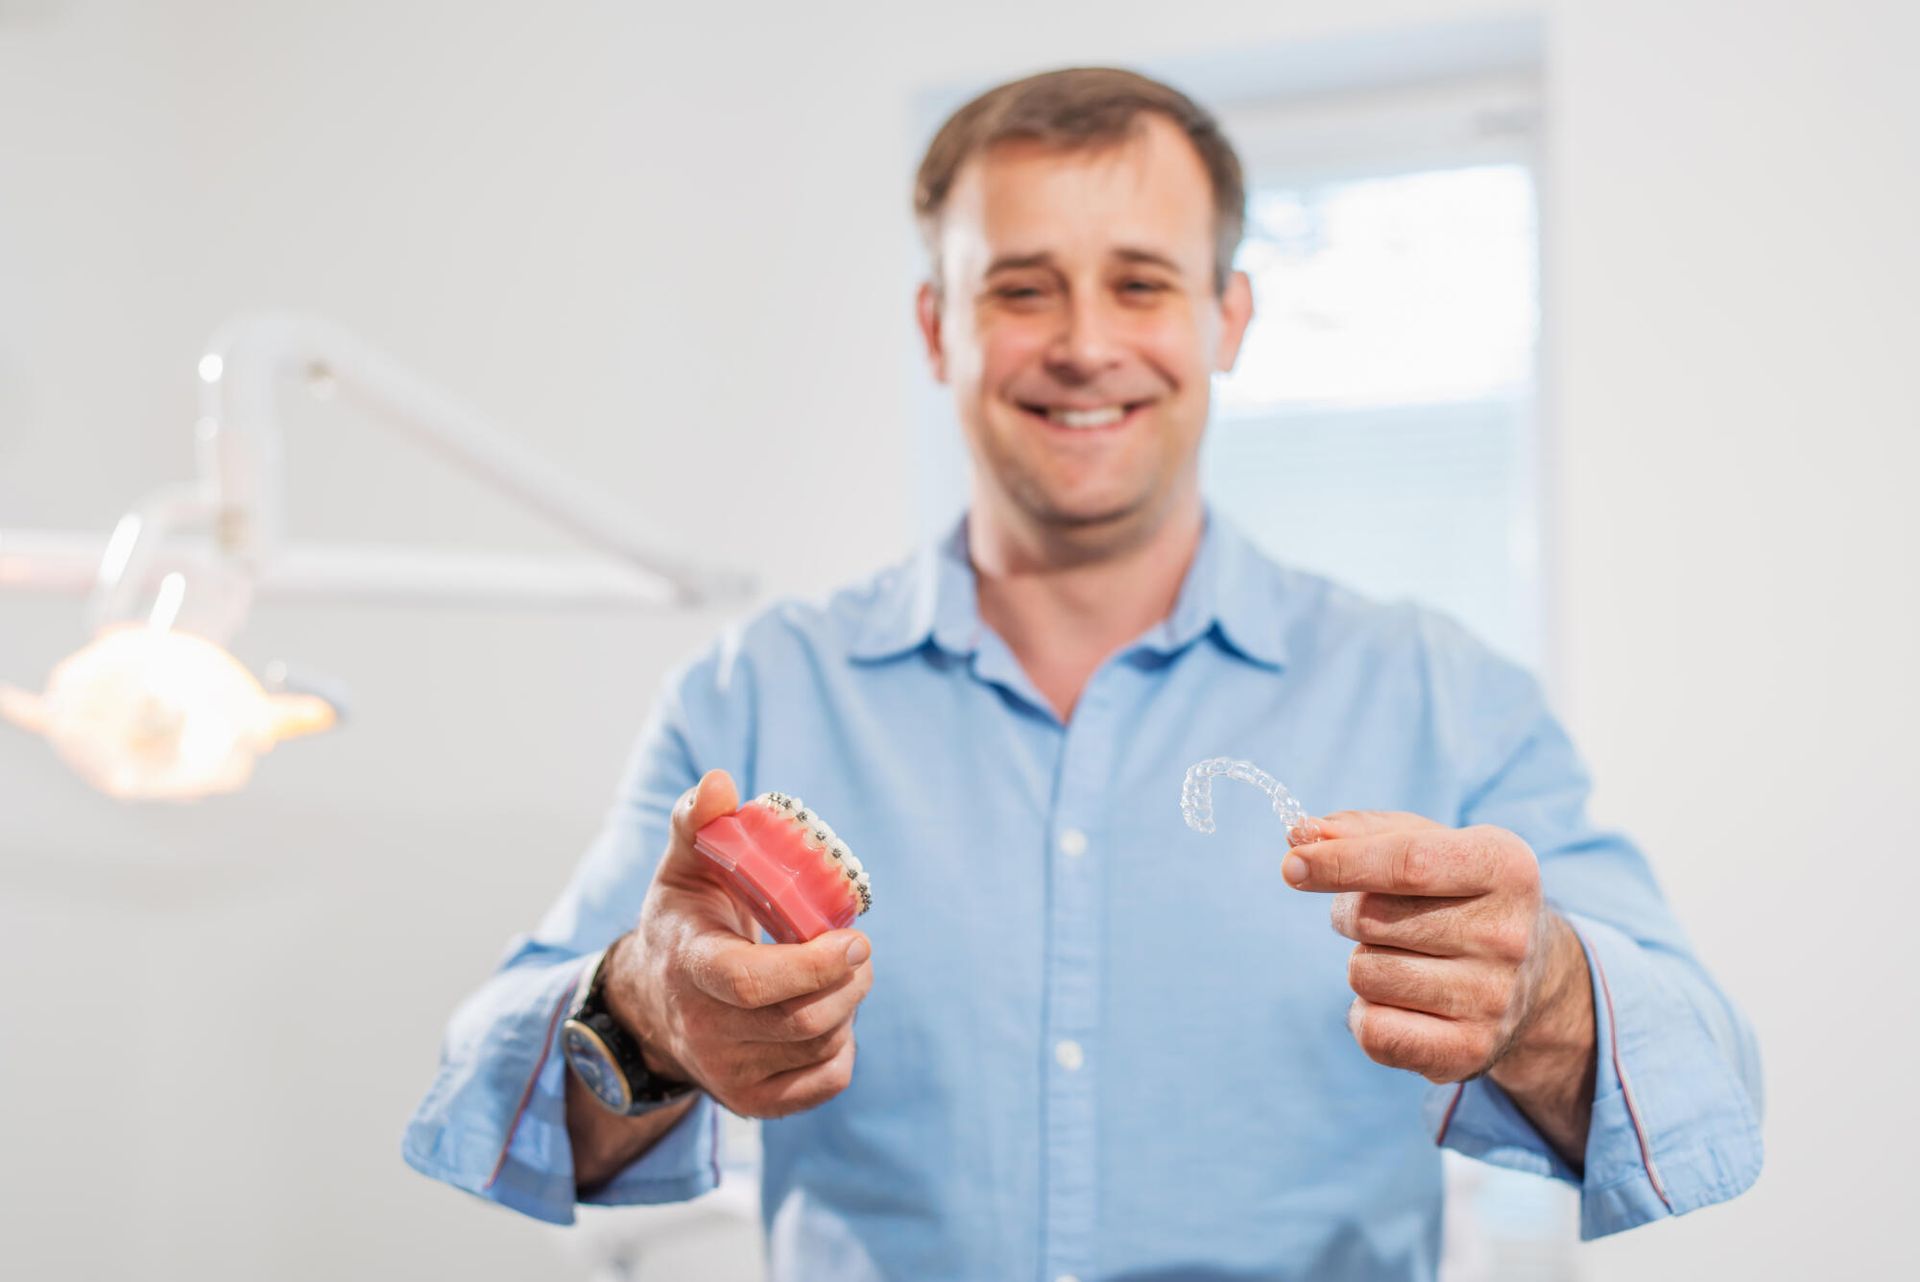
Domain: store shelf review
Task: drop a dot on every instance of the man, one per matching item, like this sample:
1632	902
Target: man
1091	1043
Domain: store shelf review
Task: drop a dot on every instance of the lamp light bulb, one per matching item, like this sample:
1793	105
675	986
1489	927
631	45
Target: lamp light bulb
151	713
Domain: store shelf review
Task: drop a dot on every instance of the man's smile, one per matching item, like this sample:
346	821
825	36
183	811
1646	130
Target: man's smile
1085	417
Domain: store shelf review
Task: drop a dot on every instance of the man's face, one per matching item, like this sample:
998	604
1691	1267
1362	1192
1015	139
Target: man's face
1079	327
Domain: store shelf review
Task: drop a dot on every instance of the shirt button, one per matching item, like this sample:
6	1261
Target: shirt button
1070	1054
1073	842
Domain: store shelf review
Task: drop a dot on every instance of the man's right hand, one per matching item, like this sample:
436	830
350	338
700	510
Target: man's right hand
766	1029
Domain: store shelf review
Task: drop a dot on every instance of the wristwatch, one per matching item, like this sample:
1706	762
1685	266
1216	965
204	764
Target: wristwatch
606	1057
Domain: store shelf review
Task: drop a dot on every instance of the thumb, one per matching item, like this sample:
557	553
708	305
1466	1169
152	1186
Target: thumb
697	807
821	962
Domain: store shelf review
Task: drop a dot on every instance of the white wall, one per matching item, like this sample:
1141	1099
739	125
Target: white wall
1736	298
668	245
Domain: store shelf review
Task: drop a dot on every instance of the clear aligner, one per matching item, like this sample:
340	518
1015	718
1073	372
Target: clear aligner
815	832
1196	796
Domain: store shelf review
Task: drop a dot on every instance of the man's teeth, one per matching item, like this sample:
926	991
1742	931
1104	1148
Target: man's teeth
1105	416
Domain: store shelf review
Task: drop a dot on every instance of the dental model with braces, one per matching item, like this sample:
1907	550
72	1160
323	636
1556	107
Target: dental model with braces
795	874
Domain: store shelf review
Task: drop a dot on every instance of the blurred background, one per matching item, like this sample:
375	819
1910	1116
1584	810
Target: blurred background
1592	322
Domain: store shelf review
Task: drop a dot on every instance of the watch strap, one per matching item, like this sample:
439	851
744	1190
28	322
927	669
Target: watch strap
646	1090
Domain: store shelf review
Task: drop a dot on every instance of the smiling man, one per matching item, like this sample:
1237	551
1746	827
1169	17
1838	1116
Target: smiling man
1088	1043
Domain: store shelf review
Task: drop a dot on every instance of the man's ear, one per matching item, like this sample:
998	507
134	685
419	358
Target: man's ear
926	307
1236	313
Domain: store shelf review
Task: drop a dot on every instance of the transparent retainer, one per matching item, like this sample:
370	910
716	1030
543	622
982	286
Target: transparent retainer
1196	797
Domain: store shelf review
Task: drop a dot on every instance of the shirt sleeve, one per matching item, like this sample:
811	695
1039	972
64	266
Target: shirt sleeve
493	1122
1677	1091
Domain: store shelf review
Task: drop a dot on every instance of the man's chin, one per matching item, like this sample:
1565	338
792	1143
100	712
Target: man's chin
1089	519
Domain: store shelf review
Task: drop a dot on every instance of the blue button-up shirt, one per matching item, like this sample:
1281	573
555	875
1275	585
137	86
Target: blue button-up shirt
1099	1044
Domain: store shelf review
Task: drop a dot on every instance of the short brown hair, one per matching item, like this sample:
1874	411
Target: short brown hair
1074	108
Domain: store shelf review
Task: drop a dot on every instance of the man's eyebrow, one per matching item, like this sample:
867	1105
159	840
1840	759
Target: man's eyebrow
1017	262
1134	254
1043	258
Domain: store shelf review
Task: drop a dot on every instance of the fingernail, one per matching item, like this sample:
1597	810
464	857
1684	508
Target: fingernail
1294	870
858	951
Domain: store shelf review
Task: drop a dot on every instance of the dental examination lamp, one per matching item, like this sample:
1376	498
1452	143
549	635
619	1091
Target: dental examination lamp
154	706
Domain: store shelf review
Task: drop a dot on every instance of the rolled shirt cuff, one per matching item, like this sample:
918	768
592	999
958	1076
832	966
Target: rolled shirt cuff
494	1122
1674	1126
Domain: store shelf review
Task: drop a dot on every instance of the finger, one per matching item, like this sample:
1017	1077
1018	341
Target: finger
797	1019
809	1016
802	1088
1433	925
1430	861
758	1061
1440	1050
751	975
1370	823
1448	987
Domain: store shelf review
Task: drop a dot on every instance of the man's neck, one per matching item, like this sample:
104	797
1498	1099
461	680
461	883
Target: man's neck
1062	606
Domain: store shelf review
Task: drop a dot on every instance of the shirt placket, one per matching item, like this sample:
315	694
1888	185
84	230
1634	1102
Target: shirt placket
1074	943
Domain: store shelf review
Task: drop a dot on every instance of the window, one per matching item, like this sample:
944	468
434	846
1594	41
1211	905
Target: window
1380	426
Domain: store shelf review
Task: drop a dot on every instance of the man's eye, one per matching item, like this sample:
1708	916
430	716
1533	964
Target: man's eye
1142	286
1014	293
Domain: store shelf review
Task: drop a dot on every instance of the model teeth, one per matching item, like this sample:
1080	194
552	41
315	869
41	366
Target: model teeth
1105	416
818	835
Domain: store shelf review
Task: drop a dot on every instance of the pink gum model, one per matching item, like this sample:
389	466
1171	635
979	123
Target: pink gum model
796	876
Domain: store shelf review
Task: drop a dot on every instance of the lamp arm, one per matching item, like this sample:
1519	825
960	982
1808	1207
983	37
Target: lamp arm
138	540
240	454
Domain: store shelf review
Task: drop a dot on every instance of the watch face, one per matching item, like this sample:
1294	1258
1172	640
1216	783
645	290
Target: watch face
593	1064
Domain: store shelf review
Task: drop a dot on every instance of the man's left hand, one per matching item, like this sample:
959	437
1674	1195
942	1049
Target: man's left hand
1460	967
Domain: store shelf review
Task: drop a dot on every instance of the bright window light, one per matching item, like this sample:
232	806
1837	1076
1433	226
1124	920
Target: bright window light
1387	386
1402	290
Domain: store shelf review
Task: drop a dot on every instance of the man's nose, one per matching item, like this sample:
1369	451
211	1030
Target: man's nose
1088	341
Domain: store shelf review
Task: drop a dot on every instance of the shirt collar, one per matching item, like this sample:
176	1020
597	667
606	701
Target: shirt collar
1225	596
932	598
